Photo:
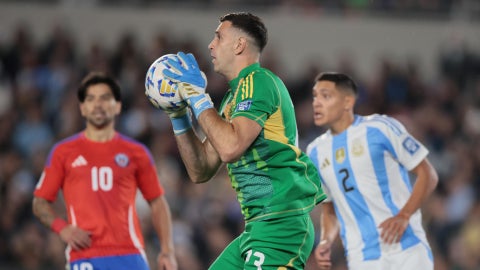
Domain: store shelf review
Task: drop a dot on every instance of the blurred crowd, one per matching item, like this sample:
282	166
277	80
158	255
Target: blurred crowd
38	107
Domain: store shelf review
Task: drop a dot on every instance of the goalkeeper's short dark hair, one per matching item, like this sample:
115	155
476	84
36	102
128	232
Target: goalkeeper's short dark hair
94	78
250	24
342	81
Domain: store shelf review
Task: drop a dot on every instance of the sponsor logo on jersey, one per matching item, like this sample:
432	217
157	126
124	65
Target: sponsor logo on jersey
244	105
410	145
79	161
122	160
340	155
325	163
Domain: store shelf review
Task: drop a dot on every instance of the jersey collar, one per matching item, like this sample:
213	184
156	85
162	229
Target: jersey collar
243	73
357	119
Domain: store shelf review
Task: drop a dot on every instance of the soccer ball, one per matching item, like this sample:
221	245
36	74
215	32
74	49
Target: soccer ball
160	91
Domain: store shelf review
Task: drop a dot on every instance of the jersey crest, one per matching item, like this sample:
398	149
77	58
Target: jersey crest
340	155
357	148
122	160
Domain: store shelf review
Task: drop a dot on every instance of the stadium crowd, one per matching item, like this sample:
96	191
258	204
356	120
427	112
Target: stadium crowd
38	106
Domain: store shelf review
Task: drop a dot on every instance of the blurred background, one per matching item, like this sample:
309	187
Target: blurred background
417	60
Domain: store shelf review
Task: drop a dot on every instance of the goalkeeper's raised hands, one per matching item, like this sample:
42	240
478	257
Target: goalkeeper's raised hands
191	81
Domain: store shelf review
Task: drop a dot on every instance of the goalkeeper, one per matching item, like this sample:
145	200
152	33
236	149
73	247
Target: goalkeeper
255	134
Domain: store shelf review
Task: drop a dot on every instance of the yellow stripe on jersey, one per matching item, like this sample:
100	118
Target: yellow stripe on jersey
250	82
247	87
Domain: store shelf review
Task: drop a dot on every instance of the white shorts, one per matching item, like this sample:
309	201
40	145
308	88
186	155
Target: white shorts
416	257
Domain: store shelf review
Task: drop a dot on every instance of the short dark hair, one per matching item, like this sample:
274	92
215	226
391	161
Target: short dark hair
96	78
250	24
342	81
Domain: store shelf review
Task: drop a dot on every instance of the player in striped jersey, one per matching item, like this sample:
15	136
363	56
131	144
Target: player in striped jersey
277	185
99	172
364	162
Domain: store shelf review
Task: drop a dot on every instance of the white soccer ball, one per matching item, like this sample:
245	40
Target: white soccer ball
160	91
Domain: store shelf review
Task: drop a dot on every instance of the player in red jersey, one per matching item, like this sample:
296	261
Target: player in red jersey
99	171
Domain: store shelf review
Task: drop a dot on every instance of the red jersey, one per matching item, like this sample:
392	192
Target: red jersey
99	182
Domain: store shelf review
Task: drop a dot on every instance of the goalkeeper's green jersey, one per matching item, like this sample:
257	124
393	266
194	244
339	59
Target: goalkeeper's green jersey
273	178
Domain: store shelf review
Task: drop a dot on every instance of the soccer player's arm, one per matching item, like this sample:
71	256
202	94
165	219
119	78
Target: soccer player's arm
329	226
412	154
152	191
162	222
255	102
201	159
230	139
46	190
425	183
226	141
45	194
43	210
329	229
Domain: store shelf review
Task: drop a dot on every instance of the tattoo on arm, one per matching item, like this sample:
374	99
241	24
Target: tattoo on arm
43	210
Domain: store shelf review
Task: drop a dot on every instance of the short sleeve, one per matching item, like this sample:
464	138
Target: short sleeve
405	148
51	180
257	98
147	177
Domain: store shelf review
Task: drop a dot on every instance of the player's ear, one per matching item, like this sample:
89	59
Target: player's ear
118	107
240	45
349	102
82	108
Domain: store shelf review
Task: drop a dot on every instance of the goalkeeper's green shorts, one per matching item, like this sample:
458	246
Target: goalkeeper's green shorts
279	244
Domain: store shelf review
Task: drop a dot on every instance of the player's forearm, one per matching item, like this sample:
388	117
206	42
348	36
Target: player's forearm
328	223
43	210
200	159
162	222
220	133
425	183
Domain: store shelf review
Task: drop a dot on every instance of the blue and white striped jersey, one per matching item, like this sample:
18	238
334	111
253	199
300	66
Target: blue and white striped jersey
364	171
